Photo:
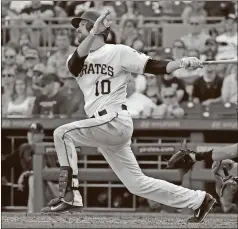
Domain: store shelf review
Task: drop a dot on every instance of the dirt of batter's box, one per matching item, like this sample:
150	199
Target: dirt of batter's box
115	220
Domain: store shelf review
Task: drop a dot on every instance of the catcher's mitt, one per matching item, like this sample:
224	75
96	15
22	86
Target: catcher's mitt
181	160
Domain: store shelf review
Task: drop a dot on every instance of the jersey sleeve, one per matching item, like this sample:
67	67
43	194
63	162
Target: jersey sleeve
132	60
75	63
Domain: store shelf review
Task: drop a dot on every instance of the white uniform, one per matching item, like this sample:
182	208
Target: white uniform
103	81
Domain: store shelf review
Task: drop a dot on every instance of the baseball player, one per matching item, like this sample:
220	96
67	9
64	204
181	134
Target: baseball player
102	72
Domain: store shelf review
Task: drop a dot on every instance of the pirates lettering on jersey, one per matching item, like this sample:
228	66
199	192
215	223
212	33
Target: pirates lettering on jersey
97	69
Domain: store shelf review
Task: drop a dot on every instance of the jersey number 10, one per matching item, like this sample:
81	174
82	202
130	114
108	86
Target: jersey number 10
103	87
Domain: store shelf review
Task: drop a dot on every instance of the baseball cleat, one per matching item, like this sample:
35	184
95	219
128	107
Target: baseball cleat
60	207
201	213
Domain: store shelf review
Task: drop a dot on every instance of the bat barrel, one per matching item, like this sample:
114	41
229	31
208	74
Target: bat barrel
220	62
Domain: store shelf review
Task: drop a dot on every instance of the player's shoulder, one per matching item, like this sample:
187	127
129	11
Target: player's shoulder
122	46
112	46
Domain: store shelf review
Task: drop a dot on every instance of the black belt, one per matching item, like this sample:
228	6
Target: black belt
103	112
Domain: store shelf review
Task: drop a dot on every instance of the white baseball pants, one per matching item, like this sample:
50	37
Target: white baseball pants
111	133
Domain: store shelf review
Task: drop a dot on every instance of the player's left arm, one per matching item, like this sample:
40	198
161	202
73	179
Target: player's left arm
166	67
137	62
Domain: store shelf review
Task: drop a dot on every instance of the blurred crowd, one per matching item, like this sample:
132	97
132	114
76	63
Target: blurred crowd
35	80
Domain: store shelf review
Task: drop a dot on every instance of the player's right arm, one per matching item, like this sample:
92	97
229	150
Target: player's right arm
76	61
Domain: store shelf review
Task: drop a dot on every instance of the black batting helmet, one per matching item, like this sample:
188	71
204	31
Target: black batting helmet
91	16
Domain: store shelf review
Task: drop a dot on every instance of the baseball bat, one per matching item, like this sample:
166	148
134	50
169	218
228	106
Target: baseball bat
234	61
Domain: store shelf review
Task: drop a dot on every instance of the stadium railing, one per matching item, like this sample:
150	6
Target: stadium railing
156	29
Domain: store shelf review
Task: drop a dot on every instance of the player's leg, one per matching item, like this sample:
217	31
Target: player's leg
124	164
66	139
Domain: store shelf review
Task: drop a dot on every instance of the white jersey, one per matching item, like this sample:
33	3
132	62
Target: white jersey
103	79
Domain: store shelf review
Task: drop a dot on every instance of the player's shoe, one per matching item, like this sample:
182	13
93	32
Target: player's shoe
183	159
58	206
201	213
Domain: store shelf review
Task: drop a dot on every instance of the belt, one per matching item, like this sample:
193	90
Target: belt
103	112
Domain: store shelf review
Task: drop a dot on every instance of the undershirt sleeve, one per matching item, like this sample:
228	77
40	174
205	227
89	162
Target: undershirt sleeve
156	66
75	63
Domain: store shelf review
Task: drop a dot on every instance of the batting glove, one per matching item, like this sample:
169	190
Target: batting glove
101	24
191	63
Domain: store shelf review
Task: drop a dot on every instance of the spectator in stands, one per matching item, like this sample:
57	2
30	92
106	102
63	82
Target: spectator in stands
24	49
38	71
31	59
24	38
152	89
7	12
170	107
210	49
73	93
193	53
74	8
171	81
207	89
137	103
37	10
8	77
24	46
229	88
130	34
20	57
56	62
170	8
132	13
101	6
38	15
60	12
138	45
197	37
9	58
196	8
20	104
52	101
178	50
227	42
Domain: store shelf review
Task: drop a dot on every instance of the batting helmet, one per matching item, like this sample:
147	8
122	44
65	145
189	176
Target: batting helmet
91	16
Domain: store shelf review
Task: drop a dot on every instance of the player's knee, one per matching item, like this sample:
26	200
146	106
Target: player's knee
58	133
138	186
